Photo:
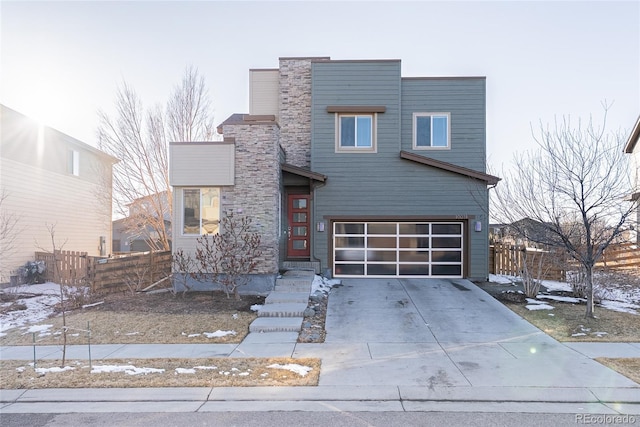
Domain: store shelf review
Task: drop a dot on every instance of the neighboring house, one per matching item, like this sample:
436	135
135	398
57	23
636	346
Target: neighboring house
526	231
52	180
632	147
347	167
139	231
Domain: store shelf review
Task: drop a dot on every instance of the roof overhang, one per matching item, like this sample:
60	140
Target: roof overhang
633	138
450	167
304	172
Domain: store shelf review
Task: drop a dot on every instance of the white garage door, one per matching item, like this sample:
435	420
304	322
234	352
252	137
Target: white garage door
398	249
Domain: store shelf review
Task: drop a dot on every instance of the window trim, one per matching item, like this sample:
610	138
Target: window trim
374	124
415	131
182	216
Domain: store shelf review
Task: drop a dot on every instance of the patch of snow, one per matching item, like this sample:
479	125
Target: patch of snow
218	334
39	307
551	314
185	370
579	334
127	369
54	369
553	285
534	301
204	368
561	298
623	307
323	284
41	329
293	367
599	334
132	333
256	307
243	374
193	335
502	279
235	315
534	307
20	369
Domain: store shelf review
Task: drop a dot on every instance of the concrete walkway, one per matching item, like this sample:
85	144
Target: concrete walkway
392	345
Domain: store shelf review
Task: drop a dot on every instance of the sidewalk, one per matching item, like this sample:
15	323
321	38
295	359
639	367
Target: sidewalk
526	371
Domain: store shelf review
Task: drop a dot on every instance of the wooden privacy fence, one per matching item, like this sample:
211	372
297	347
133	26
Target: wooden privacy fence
65	267
509	260
619	256
105	275
131	273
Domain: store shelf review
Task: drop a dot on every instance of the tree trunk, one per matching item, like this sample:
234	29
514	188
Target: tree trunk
589	291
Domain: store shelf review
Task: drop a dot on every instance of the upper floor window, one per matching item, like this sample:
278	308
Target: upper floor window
74	162
356	132
431	130
200	211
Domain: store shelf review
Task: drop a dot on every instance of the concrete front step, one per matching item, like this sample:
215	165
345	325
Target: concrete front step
287	297
276	324
283	310
293	288
294	281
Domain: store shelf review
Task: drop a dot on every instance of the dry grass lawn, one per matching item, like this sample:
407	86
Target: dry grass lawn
566	322
214	372
147	319
629	367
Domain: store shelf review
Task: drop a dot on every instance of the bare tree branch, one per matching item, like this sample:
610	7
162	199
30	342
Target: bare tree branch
575	188
139	138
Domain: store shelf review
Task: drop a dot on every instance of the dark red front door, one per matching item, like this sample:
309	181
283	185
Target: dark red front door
298	232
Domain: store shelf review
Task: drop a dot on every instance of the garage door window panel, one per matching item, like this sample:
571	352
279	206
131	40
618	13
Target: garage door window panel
400	249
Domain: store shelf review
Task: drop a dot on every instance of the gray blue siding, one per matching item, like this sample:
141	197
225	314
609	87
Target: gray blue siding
383	184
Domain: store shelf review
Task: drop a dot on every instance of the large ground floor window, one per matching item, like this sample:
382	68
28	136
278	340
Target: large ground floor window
407	249
200	211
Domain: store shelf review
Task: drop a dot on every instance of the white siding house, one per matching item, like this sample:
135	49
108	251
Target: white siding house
633	147
50	179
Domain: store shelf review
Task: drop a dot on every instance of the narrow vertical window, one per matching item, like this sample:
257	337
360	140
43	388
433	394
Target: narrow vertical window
74	163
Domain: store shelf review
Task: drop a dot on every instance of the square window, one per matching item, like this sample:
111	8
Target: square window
356	132
431	131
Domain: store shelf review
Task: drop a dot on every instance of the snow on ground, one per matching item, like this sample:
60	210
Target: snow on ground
127	369
293	367
502	279
39	307
323	284
623	297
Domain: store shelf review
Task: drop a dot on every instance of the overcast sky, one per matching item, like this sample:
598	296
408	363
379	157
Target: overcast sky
62	61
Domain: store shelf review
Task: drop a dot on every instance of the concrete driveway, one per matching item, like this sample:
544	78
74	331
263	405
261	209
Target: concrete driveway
441	333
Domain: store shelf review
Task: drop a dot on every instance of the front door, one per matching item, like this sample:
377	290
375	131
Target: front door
298	231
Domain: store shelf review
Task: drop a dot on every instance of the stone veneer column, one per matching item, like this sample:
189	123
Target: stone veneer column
257	186
295	109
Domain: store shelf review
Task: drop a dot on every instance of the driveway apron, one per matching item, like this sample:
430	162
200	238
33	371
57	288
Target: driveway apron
441	333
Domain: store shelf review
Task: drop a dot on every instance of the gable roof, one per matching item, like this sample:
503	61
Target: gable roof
489	179
633	138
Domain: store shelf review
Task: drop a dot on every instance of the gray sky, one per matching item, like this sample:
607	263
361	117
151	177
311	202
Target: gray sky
62	61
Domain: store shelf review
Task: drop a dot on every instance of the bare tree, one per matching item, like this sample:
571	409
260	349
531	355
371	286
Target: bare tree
139	138
230	256
575	187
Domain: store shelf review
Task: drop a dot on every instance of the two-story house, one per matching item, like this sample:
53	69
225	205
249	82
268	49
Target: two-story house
348	167
632	147
51	181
